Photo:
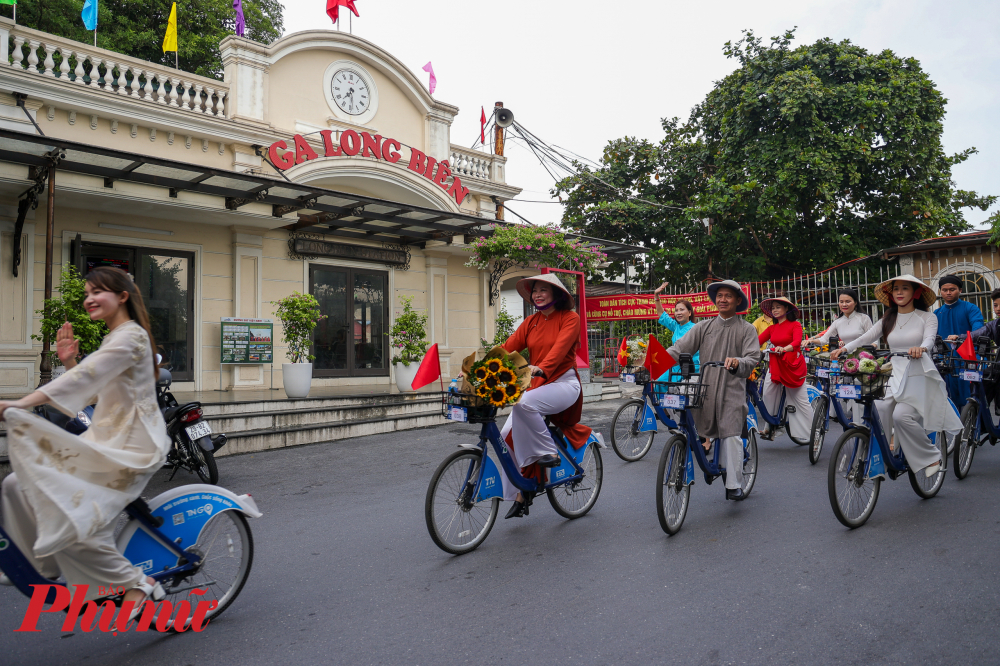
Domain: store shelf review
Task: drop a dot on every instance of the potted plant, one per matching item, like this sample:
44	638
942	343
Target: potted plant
68	307
299	314
408	344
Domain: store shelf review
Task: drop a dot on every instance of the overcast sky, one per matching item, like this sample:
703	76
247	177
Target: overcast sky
578	73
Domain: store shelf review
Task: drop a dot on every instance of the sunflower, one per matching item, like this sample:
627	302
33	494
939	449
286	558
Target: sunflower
512	391
491	381
498	398
482	391
505	376
493	365
481	373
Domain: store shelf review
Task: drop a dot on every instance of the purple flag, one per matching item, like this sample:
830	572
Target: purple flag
241	24
430	70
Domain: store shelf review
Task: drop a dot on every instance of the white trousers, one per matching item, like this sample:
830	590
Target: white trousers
800	422
531	438
905	422
731	457
94	562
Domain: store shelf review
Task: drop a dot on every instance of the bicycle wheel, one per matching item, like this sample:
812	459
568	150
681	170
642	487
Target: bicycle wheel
852	495
928	486
204	462
966	441
817	435
572	500
226	548
672	493
455	528
630	444
749	463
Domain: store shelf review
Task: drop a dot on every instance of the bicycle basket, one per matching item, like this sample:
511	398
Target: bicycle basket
863	386
759	373
466	407
634	374
680	395
819	367
972	371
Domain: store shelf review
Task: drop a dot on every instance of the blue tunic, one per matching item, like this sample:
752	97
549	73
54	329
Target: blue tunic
678	332
959	318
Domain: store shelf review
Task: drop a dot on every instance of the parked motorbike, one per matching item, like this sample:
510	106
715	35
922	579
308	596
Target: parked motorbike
193	445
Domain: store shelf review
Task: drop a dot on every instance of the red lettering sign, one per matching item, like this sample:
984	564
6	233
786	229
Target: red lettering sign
643	306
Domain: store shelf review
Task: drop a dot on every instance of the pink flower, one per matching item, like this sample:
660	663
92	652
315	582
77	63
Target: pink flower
529	247
851	366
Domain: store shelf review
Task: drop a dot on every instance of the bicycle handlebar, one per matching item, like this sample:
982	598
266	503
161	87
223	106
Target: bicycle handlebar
718	364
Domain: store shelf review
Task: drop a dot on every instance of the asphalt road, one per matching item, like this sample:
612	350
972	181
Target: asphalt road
345	573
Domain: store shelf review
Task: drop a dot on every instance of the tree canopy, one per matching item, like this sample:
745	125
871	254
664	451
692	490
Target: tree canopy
136	27
798	160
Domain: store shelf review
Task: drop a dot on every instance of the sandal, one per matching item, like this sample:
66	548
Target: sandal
154	592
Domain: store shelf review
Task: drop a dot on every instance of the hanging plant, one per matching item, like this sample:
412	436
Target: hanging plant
536	247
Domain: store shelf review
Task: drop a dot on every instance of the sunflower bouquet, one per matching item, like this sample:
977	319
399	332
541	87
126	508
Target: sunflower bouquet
499	379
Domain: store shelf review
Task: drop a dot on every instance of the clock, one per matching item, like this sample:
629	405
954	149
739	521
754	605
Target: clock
350	91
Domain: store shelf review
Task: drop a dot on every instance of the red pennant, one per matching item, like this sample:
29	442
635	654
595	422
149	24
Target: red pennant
623	352
657	359
482	125
967	351
429	370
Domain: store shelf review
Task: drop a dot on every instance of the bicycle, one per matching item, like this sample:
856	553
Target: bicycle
977	424
825	373
633	426
189	537
755	401
675	474
857	468
463	497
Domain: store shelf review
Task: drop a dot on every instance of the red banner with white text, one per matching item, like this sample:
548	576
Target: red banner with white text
643	306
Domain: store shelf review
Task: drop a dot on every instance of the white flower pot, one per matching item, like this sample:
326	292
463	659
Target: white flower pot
297	378
405	375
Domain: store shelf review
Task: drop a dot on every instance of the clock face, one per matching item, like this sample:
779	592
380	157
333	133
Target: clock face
350	92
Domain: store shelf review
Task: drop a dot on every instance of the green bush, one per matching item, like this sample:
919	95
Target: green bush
299	315
68	307
409	335
504	329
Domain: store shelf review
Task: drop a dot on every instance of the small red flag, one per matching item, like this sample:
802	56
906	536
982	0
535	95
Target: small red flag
333	8
657	359
429	370
623	352
967	351
482	125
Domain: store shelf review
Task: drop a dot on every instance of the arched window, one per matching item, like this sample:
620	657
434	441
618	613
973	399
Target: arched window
977	283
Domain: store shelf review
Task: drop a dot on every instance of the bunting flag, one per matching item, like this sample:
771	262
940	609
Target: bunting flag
8	2
170	38
434	82
623	350
333	8
482	124
89	14
241	23
967	351
657	359
429	370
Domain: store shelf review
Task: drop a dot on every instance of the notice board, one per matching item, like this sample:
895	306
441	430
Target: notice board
247	341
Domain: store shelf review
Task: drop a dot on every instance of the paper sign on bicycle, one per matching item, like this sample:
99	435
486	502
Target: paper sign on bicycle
458	414
972	376
671	401
823	372
628	379
847	391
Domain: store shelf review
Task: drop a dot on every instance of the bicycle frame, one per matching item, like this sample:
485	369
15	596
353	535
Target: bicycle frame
824	386
985	425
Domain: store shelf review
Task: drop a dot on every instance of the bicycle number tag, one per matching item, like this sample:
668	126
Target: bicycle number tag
458	414
848	392
628	379
972	376
822	372
671	401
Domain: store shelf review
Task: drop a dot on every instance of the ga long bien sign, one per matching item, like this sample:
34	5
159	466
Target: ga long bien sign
352	144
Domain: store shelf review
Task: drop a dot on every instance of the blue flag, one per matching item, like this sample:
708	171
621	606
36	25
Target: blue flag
89	14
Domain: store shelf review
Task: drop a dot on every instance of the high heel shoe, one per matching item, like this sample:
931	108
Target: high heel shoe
517	510
154	592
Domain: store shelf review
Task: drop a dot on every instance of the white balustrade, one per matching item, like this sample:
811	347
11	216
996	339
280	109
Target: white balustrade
471	164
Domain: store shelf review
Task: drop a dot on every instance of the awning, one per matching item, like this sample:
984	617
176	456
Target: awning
323	210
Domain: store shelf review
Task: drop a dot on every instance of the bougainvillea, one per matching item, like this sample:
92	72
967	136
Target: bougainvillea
536	247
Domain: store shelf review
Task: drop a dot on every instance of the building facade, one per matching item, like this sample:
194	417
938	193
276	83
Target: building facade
320	164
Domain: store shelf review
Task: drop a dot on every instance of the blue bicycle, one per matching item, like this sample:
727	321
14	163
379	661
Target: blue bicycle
634	424
977	423
189	537
675	474
857	465
464	494
825	373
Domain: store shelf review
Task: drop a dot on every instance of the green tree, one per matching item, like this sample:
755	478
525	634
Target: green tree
68	307
800	159
136	27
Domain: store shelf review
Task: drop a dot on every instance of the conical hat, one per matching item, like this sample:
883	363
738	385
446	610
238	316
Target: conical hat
885	298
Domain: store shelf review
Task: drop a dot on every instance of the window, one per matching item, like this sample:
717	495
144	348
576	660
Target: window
353	340
165	279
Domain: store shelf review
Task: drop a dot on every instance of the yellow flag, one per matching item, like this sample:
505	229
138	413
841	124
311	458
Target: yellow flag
170	39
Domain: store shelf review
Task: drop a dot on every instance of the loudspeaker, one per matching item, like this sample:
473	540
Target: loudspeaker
505	117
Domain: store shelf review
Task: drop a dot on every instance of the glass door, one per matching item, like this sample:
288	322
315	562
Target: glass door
353	340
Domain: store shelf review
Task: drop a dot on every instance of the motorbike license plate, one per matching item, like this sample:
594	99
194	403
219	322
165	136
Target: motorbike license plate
628	379
458	414
822	372
972	376
671	401
848	392
198	430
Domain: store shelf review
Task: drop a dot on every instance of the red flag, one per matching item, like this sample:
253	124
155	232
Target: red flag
657	359
482	125
333	8
967	351
623	352
429	370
